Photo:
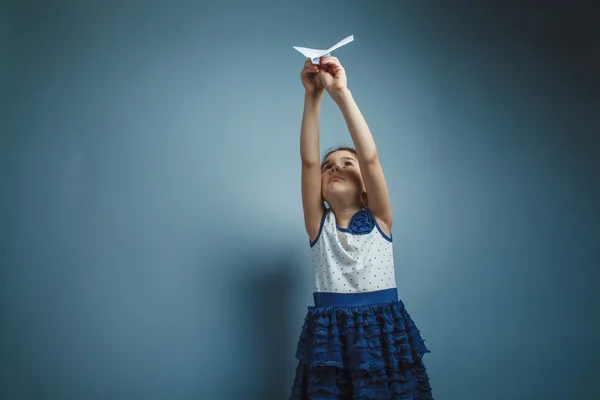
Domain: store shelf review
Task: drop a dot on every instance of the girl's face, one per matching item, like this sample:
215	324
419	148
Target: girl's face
341	177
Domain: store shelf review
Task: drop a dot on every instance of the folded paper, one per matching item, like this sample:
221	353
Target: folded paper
315	54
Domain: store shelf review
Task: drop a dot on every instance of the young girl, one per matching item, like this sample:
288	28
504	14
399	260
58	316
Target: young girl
358	341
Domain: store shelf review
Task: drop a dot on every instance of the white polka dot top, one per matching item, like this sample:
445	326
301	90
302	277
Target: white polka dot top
353	260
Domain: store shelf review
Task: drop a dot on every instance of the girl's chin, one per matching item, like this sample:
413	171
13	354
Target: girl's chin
338	194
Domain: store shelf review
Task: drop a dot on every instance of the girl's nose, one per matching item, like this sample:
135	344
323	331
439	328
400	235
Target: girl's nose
335	168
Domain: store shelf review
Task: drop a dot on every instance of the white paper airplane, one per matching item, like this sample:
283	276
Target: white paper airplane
315	54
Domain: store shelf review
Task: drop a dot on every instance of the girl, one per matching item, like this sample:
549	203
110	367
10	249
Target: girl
358	341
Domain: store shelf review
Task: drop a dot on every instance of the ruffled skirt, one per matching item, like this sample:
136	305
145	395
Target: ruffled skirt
360	346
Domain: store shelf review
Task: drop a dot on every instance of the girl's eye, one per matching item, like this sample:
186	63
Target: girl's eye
348	163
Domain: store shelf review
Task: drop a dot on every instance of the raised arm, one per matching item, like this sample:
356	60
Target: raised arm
334	80
312	199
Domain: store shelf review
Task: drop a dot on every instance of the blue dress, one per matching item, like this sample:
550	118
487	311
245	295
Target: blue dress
358	341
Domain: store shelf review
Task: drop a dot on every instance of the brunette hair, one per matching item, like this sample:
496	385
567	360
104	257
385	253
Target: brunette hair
334	149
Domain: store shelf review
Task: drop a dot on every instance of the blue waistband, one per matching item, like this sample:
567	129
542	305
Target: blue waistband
323	299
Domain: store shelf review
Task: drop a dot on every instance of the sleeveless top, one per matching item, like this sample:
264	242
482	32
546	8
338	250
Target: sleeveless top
354	260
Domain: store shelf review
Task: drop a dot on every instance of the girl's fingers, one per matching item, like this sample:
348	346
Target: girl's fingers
331	64
308	64
311	68
331	61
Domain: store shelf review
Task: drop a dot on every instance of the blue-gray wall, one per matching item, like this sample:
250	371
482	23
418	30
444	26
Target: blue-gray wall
151	232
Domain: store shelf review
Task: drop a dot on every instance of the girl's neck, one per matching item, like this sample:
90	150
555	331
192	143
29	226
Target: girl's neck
343	215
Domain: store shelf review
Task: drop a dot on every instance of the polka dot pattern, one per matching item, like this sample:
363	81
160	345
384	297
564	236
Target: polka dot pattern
344	262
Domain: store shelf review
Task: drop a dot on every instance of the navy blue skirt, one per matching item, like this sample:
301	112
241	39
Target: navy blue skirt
360	346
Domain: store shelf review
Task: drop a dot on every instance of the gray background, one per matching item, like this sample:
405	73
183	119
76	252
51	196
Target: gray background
151	232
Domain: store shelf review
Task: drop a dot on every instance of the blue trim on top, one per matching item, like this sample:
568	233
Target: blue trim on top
362	223
320	228
348	230
326	299
386	237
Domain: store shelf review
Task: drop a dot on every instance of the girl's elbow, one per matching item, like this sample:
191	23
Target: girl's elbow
370	158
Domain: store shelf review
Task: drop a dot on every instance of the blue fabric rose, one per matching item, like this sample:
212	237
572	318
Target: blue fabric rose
362	222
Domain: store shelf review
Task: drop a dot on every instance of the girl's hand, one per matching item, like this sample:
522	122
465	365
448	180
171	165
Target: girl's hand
332	75
310	78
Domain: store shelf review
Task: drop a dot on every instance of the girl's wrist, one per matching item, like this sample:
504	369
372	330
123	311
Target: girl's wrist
341	96
316	95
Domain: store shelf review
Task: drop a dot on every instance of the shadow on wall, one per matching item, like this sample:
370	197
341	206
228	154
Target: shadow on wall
265	299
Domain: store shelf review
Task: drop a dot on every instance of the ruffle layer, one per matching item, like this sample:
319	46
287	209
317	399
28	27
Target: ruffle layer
363	352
